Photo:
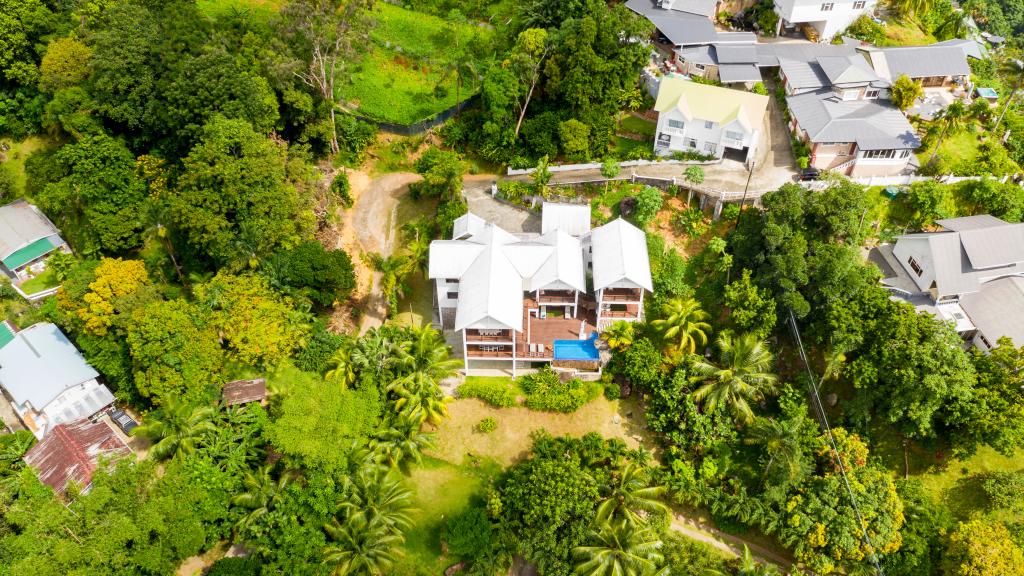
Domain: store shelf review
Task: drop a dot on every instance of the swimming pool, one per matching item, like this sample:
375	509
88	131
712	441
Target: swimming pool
576	349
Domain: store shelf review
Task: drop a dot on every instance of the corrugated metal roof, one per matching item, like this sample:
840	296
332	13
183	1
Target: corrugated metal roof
687	22
872	124
921	61
71	452
22	224
852	69
705	8
994	246
971	48
971	222
39	364
699	55
770	54
997	309
573	219
736	54
244	391
730	73
620	253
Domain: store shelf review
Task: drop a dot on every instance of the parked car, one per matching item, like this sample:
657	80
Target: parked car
125	422
808	174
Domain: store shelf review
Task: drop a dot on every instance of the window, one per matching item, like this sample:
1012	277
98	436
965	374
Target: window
858	5
452	280
904	153
664	140
709	147
453	295
884	154
734	135
915	266
691	143
699	67
985	341
827	7
676	124
850	94
870	94
709	124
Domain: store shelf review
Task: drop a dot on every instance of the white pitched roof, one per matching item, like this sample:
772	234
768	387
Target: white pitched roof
620	254
574	219
467	225
490	292
39	364
563	266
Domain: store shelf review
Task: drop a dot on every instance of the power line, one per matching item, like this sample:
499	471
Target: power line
823	421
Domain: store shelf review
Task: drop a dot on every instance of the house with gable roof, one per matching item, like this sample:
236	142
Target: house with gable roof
825	18
970	274
523	299
708	119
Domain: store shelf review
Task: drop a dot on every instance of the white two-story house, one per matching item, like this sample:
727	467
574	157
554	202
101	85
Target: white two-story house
708	119
825	18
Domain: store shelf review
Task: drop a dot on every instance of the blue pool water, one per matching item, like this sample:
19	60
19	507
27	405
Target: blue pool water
576	349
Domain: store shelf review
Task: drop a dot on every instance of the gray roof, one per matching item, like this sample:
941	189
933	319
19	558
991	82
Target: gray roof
650	8
39	364
729	73
803	74
922	61
699	55
769	54
736	53
971	48
20	225
852	69
971	222
994	247
872	124
997	309
736	38
687	22
685	29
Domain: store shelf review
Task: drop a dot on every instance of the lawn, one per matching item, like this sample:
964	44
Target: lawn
622	147
898	33
14	158
636	125
958	484
442	490
260	10
404	78
43	281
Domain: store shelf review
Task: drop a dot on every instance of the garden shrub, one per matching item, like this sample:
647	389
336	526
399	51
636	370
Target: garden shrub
759	88
515	191
545	391
730	211
342	190
235	567
612	390
486	425
691	222
315	356
575	138
495	393
694	174
648	202
469	534
447	212
1004	489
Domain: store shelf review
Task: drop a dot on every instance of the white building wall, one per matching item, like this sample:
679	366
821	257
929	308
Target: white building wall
443	288
697	130
827	22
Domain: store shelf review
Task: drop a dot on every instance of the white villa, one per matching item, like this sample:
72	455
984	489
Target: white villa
708	119
970	274
519	299
821	19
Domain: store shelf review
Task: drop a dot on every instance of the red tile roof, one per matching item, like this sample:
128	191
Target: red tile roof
244	391
71	452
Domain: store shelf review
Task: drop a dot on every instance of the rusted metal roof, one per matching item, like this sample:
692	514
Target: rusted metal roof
71	452
244	391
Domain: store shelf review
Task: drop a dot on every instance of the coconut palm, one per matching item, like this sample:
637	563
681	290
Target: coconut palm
781	441
399	444
360	548
393	270
375	355
379	497
262	492
750	567
741	376
343	369
630	493
177	429
427	353
619	335
419	399
952	119
620	549
685	322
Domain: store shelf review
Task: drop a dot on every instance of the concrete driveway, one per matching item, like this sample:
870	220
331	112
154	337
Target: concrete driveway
477	190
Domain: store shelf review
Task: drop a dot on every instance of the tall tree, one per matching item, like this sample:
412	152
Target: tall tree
620	549
326	35
781	442
262	492
683	320
177	428
630	494
359	549
742	375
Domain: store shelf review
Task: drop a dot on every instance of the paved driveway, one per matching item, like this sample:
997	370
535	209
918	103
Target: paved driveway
513	219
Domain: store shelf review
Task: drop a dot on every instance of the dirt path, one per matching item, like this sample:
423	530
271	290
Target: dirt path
370	226
732	545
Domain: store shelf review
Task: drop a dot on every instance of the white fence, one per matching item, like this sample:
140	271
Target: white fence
907	179
597	165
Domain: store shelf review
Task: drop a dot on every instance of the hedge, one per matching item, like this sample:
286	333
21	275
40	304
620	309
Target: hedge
494	392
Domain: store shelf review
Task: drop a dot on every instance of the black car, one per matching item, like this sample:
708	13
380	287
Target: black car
808	174
125	422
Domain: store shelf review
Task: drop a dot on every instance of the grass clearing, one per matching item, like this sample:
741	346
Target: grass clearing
958	484
636	125
901	33
442	490
43	281
459	443
404	79
259	10
623	147
17	152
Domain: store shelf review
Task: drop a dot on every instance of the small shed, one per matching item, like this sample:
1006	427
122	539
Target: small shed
988	94
244	391
72	452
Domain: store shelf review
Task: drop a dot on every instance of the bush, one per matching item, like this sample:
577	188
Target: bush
514	191
447	212
469	534
694	174
865	28
612	390
545	391
575	138
486	426
1005	490
324	276
730	212
759	88
691	222
648	202
7	184
341	189
321	345
493	392
235	567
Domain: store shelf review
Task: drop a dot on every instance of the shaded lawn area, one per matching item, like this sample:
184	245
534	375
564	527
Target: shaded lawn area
15	158
43	281
459	443
637	125
622	146
259	10
404	78
442	490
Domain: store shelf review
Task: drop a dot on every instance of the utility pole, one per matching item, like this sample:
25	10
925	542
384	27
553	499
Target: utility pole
745	188
1020	66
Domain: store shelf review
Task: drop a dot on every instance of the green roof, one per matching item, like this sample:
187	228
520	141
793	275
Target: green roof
6	335
23	256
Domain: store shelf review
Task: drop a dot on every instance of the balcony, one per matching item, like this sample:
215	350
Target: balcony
474	335
557	297
621	295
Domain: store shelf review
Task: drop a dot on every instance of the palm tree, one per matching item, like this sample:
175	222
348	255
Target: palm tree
684	320
620	549
419	399
379	497
177	429
952	118
360	548
427	353
743	375
619	335
955	25
343	369
630	492
262	492
393	270
750	567
375	355
781	441
399	444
